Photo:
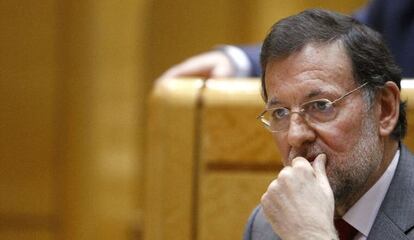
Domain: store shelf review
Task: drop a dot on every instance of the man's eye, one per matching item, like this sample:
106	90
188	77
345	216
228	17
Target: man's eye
280	113
321	106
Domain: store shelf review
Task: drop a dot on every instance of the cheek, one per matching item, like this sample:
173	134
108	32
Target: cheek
341	137
342	134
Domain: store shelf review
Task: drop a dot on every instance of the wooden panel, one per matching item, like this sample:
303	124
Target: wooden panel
232	137
407	94
171	160
226	200
238	157
26	235
28	111
101	123
72	97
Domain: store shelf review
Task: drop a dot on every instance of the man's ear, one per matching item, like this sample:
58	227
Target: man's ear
389	108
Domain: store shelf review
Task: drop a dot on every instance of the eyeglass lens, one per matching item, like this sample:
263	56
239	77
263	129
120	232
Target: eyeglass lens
317	111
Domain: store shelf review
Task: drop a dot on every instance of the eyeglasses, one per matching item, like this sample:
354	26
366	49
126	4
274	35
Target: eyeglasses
315	111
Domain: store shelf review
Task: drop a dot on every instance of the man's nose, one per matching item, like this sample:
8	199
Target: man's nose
299	131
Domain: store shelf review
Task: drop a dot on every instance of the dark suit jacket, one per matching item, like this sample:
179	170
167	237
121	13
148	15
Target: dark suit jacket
395	219
394	19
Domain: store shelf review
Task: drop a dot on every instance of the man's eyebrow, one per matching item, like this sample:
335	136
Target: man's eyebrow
273	101
314	93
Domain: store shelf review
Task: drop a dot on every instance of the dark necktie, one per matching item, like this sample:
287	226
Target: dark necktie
345	231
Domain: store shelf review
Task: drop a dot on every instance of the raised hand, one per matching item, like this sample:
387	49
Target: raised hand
299	204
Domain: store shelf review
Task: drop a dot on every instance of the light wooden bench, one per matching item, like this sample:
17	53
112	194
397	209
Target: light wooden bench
208	159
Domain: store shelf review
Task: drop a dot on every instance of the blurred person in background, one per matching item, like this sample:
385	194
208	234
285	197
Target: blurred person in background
394	19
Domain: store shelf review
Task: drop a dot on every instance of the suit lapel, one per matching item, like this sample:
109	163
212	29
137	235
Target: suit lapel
396	214
385	228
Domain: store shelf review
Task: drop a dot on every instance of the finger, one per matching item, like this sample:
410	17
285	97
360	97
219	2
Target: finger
300	161
303	167
197	66
319	165
200	64
225	69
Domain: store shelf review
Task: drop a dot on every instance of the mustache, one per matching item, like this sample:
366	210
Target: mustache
310	152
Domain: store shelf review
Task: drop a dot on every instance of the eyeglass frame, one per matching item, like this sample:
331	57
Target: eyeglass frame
266	123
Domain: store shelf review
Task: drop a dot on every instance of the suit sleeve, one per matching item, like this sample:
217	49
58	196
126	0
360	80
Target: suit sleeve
253	54
249	226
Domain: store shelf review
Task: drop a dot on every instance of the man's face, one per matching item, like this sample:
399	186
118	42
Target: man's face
350	141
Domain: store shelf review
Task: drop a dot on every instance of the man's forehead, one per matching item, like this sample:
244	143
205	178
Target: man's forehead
314	64
314	55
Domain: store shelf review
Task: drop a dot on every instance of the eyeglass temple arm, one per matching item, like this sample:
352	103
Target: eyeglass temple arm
349	93
261	114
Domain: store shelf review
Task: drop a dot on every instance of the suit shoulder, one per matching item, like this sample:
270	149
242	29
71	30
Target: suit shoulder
258	228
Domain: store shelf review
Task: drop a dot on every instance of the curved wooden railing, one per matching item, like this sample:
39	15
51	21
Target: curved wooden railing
208	160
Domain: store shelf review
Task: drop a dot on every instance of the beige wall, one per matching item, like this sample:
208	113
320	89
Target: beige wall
74	78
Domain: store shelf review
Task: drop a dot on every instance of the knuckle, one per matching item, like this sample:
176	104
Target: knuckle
286	172
273	186
264	199
267	201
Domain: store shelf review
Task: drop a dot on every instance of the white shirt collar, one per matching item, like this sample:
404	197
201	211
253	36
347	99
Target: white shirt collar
362	214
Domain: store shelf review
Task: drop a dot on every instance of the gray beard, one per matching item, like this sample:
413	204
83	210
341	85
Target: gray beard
348	173
349	176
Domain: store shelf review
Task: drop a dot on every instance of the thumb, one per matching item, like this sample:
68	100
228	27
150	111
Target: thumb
319	166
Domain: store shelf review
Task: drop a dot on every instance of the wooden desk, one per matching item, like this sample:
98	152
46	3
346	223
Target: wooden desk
208	159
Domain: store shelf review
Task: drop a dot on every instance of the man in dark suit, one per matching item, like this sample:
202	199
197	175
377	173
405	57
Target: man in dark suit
394	19
332	94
